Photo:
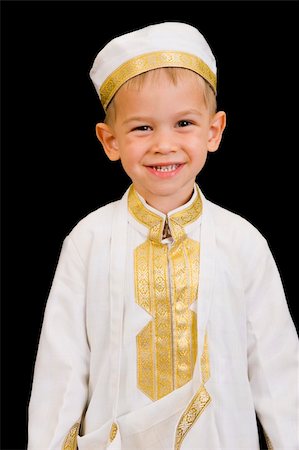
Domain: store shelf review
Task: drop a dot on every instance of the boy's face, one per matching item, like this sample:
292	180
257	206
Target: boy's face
162	133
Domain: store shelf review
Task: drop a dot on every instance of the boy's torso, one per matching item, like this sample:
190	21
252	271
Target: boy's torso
225	240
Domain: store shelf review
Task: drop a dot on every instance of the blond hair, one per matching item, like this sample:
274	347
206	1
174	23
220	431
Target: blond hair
174	74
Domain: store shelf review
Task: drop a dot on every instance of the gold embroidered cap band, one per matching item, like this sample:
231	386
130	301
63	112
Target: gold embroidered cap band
167	44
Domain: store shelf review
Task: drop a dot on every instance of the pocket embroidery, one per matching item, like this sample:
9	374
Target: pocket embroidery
70	442
113	432
198	403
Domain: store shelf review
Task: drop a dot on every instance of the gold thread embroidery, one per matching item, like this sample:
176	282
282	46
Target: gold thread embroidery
205	361
198	403
166	346
149	61
113	432
191	414
184	264
70	442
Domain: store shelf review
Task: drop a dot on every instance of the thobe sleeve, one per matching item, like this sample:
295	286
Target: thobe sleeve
273	352
59	390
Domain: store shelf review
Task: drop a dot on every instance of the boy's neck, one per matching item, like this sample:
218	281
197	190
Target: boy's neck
165	204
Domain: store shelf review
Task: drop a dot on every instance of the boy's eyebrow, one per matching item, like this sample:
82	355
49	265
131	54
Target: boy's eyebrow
179	113
189	111
137	119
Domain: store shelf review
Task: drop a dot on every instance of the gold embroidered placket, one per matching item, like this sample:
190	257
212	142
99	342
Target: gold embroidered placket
166	284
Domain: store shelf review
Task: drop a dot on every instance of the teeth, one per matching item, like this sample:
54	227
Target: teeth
166	168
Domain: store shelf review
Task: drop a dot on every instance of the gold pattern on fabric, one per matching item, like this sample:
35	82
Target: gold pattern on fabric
191	414
205	361
113	432
166	284
198	403
70	442
149	61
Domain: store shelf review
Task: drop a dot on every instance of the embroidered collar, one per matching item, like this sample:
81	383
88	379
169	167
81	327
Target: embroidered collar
155	220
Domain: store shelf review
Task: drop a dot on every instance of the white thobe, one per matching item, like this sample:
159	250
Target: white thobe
86	364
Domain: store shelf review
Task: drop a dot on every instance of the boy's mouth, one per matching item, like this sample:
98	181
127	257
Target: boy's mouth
169	168
165	170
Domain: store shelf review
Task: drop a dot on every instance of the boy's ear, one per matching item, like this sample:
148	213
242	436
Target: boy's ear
108	140
217	127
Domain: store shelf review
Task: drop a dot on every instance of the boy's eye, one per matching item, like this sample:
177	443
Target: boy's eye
184	123
142	128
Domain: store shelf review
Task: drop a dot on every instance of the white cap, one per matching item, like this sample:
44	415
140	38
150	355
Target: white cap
167	44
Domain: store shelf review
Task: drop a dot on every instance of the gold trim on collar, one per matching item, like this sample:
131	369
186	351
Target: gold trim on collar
149	61
166	284
155	223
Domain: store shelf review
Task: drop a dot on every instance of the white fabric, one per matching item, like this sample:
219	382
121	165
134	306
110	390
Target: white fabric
253	344
167	36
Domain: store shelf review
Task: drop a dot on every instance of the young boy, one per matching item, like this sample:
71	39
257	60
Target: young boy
166	326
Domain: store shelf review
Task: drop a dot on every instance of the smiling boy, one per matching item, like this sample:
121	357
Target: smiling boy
157	332
162	133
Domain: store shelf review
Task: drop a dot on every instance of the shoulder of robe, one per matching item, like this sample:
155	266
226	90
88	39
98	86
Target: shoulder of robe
95	227
235	230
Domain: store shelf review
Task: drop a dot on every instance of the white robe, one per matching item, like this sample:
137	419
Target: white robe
253	345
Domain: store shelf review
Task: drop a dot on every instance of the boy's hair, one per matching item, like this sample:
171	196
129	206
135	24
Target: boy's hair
174	74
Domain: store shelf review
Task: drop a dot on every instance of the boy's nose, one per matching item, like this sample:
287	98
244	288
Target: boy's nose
164	149
164	144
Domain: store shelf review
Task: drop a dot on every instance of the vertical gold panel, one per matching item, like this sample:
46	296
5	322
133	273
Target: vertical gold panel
167	346
184	289
145	361
205	361
162	321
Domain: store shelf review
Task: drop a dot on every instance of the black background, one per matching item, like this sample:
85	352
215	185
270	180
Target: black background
54	171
